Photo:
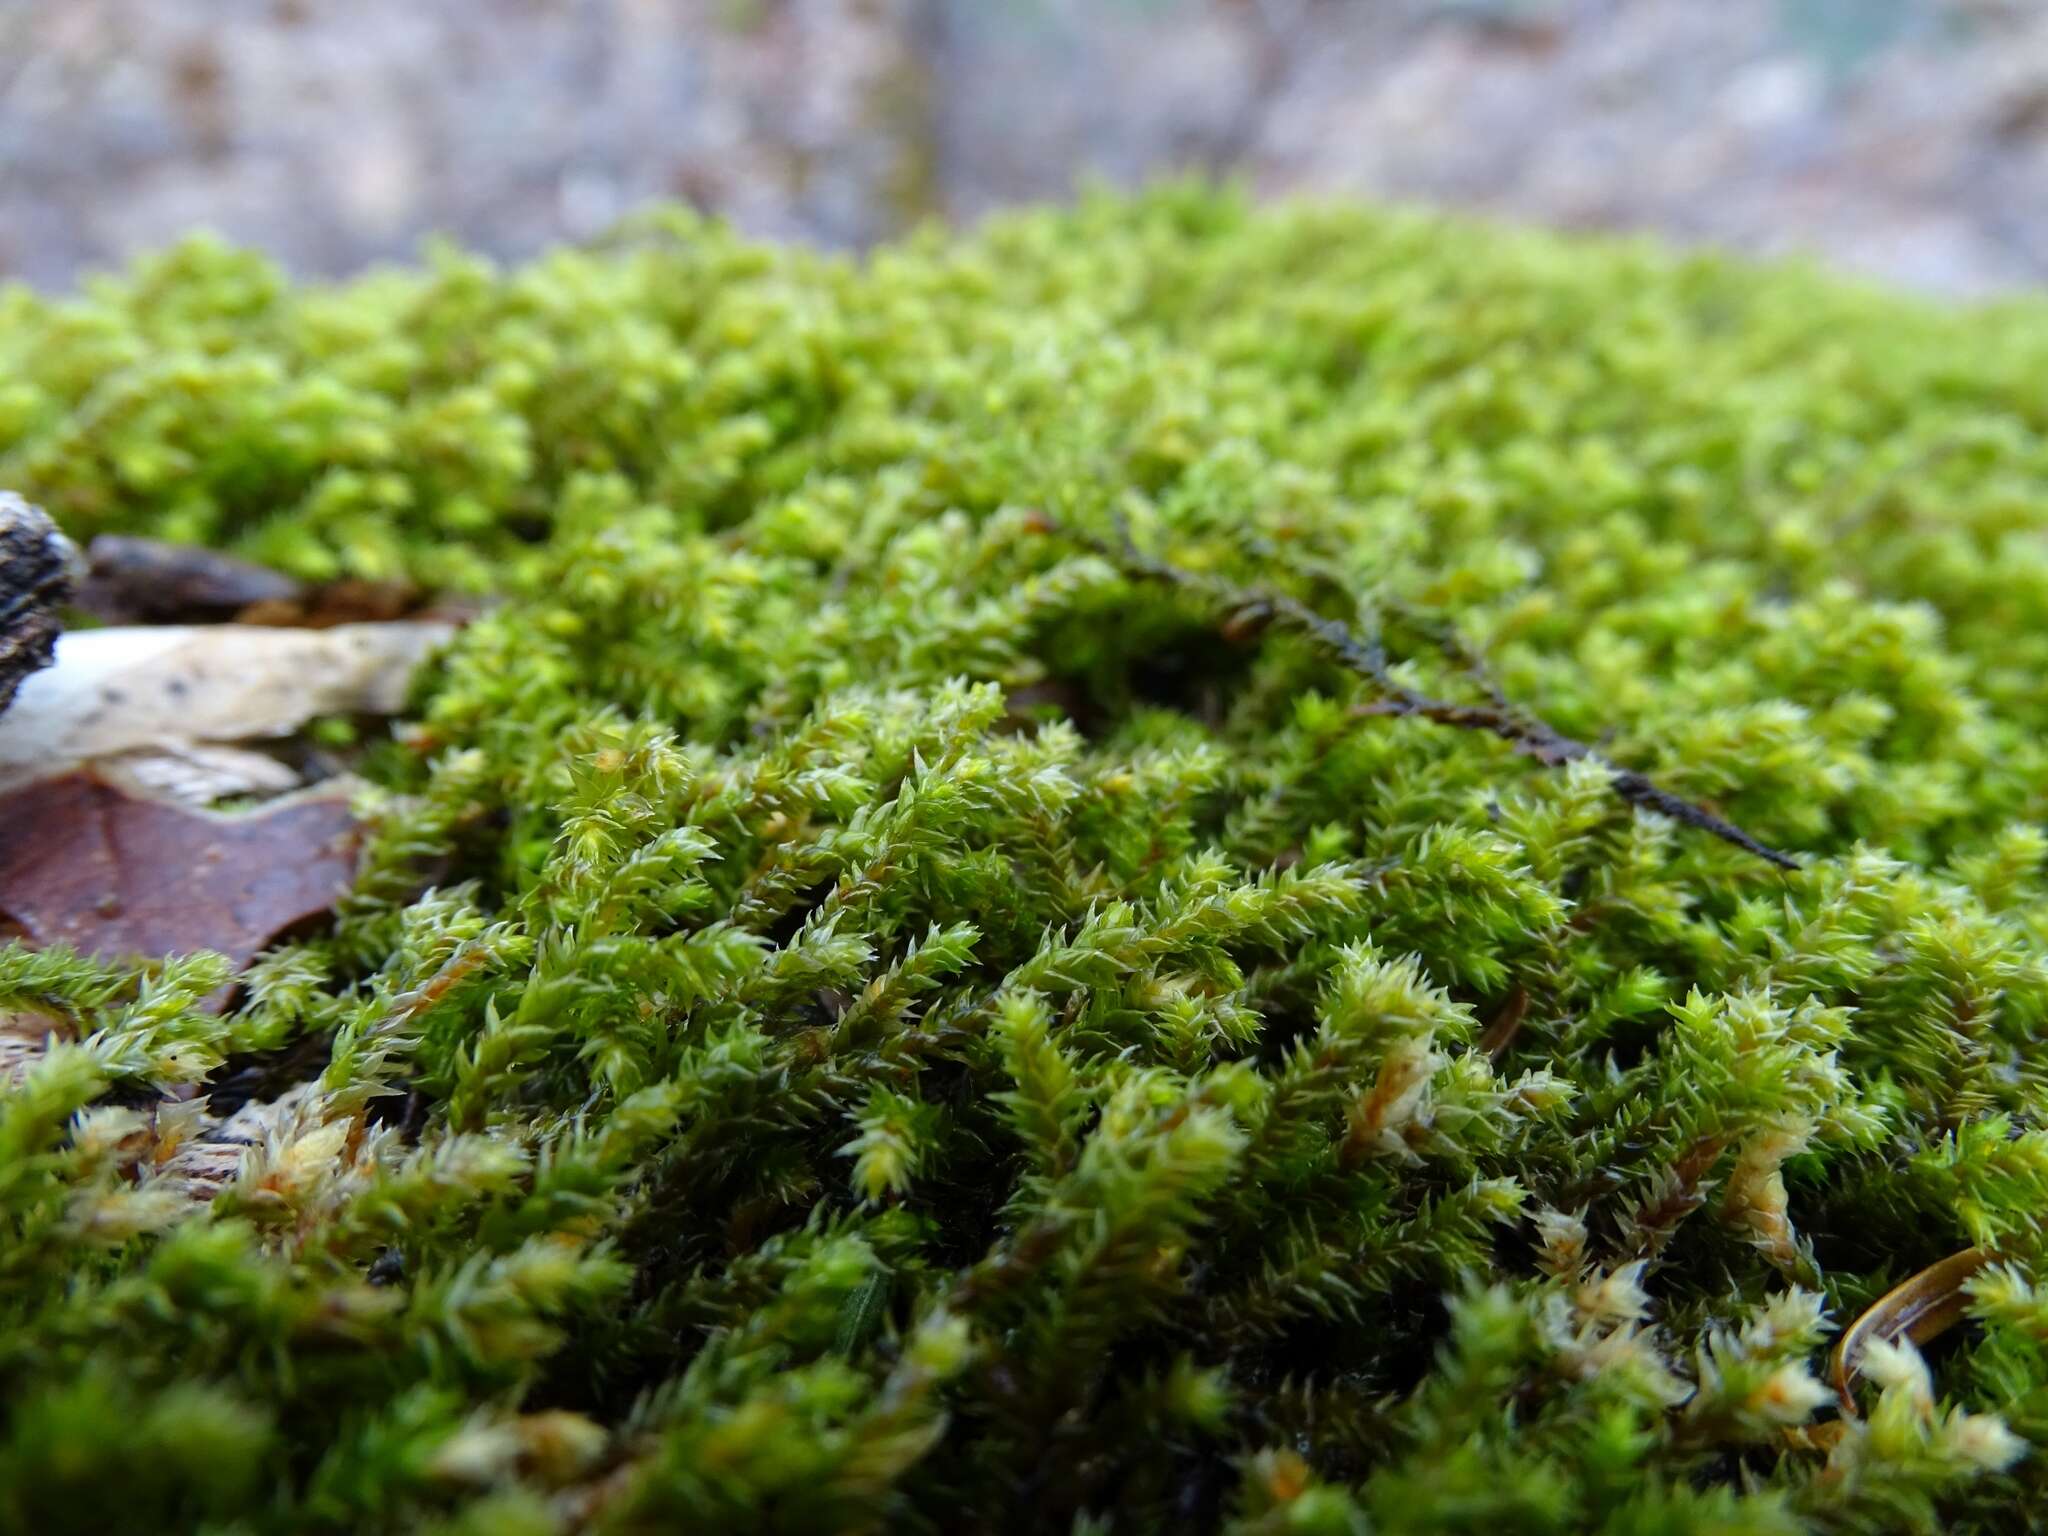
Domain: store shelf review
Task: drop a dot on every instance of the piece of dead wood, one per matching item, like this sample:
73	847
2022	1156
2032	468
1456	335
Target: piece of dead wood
37	570
171	688
148	581
84	864
1919	1308
345	602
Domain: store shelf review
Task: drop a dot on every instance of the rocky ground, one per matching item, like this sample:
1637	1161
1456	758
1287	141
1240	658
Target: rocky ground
1902	138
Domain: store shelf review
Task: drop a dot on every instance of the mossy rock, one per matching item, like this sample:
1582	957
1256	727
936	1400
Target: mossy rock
907	979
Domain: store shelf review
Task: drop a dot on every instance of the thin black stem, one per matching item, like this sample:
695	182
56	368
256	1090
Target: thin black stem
1367	657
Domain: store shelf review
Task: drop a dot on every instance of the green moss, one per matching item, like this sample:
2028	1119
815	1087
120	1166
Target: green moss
921	1024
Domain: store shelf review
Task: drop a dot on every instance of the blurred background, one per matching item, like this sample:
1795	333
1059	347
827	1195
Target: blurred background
1906	139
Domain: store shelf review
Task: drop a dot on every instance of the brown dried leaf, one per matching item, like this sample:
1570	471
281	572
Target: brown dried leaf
83	864
1920	1308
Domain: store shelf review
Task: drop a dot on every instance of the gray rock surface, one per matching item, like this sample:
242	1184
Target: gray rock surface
1907	139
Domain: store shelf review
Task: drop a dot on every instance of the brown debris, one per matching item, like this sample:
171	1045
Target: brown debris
148	581
83	864
1506	1024
1920	1308
339	602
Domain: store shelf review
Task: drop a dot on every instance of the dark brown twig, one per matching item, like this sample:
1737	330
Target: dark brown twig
1507	1023
1366	656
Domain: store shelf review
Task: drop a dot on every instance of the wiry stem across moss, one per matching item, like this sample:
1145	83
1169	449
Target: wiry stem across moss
1243	608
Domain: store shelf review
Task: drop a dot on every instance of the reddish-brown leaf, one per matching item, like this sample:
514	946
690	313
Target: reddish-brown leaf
83	864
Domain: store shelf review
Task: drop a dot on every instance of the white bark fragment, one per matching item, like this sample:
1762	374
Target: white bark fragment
174	689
